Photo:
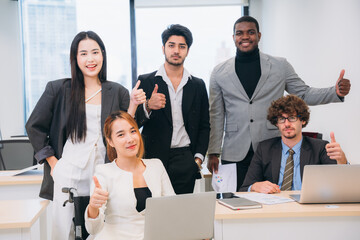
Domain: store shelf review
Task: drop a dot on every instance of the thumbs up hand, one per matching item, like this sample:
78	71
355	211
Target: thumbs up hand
157	100
137	95
97	199
342	85
334	150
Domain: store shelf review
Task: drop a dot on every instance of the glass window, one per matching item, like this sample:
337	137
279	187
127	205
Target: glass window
49	26
212	29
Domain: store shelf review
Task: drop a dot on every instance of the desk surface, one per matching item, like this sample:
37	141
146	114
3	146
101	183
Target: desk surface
21	179
291	209
21	213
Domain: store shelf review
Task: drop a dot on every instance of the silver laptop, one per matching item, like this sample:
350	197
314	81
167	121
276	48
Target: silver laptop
329	184
180	217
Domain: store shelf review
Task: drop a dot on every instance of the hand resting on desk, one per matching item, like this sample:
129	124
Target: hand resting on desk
265	187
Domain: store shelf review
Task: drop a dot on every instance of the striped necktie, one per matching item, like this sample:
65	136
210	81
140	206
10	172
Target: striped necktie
289	172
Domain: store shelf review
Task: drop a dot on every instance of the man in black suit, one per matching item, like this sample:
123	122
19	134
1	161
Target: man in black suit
279	162
175	119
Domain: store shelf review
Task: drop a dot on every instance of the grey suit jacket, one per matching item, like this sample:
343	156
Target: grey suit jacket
265	165
46	126
244	119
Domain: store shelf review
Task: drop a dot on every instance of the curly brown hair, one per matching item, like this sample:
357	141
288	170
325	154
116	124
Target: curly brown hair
111	152
290	105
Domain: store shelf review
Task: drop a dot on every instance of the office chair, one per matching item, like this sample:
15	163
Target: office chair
80	204
2	164
312	134
16	154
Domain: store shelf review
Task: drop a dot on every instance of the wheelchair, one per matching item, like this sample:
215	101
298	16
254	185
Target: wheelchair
80	204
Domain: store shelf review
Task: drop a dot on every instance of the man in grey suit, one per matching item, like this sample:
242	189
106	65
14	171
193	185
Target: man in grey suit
278	163
241	90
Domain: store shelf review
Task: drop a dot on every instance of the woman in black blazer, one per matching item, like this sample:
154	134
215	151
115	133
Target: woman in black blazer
66	126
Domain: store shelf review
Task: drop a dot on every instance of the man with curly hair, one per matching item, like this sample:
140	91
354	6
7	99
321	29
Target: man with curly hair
279	162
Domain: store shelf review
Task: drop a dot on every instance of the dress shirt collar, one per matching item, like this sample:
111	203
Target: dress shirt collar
296	148
162	73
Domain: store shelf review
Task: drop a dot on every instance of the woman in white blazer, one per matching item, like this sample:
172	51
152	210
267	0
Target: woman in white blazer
120	188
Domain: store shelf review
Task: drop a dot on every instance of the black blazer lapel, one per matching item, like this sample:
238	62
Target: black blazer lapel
107	97
305	156
67	102
276	160
163	88
65	114
187	99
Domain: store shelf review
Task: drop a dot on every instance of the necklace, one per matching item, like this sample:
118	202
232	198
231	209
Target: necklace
92	96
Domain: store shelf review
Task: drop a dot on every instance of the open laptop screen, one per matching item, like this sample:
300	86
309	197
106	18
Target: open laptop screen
186	216
330	184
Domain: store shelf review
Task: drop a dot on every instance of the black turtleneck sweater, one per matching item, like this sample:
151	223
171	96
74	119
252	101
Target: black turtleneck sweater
247	67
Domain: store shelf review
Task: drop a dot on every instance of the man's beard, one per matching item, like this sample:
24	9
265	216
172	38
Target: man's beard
175	63
289	136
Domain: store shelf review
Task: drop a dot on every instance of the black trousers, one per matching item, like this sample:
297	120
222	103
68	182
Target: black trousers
241	167
182	170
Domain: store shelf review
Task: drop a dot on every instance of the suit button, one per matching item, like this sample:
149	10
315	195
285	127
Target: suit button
251	120
250	102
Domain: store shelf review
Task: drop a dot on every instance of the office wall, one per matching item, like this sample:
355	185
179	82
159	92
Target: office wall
11	87
319	38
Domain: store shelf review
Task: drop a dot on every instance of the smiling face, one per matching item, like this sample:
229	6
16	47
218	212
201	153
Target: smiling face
291	130
89	58
125	139
175	50
246	36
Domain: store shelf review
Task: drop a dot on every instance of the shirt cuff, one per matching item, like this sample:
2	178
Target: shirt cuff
44	153
199	155
147	115
341	98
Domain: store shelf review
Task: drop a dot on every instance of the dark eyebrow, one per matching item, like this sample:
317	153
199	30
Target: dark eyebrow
251	29
120	131
179	43
95	49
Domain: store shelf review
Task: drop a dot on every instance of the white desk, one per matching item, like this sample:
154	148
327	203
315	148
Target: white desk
289	221
17	218
20	187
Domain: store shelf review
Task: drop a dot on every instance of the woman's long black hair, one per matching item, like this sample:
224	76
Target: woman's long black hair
76	123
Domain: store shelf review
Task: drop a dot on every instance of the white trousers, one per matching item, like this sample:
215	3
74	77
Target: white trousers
66	174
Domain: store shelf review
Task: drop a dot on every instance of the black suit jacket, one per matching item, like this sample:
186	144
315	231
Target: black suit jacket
46	126
265	165
157	131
